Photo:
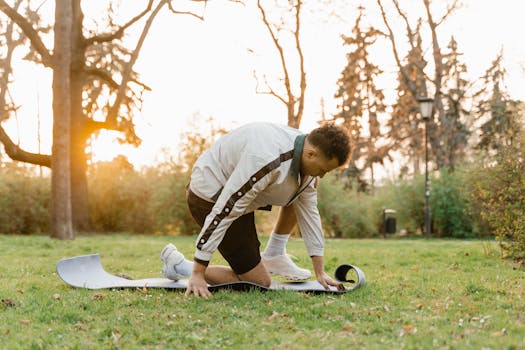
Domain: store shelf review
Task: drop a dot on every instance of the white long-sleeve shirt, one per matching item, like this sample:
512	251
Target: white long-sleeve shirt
251	167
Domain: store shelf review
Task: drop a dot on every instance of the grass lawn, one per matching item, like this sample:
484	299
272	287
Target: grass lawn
421	294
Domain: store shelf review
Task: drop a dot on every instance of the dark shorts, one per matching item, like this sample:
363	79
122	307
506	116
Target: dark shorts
240	245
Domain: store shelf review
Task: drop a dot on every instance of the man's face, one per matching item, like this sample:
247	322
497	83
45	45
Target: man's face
315	163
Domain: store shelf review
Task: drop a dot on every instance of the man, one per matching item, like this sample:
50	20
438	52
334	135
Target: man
255	166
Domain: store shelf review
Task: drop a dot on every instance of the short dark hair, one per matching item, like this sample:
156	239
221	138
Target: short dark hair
332	140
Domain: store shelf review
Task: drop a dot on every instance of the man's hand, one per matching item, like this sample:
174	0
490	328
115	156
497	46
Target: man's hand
327	281
197	283
322	277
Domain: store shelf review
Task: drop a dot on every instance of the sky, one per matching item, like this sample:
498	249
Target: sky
206	68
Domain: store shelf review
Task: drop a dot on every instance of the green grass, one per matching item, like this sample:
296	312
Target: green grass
420	295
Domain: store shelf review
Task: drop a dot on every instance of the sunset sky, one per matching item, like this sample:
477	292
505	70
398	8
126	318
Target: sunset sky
206	67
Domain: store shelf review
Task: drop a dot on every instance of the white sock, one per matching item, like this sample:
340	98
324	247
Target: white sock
185	267
276	245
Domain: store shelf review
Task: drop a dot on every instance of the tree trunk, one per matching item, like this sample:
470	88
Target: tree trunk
79	187
79	133
61	225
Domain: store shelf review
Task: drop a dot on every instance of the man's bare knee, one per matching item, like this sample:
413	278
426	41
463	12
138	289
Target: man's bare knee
259	275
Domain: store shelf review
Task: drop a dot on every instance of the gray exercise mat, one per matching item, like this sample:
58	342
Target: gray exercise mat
86	271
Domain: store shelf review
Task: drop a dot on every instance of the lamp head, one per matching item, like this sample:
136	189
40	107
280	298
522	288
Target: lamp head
425	105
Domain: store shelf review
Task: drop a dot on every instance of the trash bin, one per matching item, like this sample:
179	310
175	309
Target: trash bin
389	222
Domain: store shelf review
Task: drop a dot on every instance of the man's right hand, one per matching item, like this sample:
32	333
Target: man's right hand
197	283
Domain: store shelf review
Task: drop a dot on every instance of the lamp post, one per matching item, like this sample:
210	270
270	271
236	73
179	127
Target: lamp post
425	105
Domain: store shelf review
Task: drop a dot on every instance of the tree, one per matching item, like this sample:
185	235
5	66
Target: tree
104	90
455	127
292	97
405	127
501	117
441	137
61	226
361	100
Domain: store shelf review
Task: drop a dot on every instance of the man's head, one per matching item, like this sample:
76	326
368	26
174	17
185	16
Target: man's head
325	148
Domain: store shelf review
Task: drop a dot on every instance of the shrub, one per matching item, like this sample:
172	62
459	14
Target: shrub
151	201
348	213
168	203
24	200
498	191
344	212
450	206
118	197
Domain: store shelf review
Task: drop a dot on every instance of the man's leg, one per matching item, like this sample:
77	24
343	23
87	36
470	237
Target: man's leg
281	232
216	274
177	267
274	256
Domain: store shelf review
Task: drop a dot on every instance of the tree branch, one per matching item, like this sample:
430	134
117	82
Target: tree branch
409	83
103	75
106	37
16	153
126	75
279	49
300	107
450	9
270	90
170	6
403	15
29	31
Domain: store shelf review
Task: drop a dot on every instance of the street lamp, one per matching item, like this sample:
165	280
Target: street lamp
426	104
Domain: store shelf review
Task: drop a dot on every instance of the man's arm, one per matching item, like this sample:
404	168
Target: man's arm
197	284
309	222
321	275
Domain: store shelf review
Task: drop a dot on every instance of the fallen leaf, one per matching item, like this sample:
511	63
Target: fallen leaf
9	302
56	296
408	329
25	321
500	333
275	314
347	328
19	291
98	296
116	336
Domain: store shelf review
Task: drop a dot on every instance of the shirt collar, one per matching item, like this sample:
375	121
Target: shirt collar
297	154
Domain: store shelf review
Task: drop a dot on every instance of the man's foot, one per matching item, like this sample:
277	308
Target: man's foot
283	266
170	258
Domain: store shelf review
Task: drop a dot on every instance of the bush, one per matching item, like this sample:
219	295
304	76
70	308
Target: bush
345	213
118	197
450	206
168	203
151	201
24	200
498	191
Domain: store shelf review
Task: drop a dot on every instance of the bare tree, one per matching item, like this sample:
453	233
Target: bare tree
104	90
293	97
437	136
